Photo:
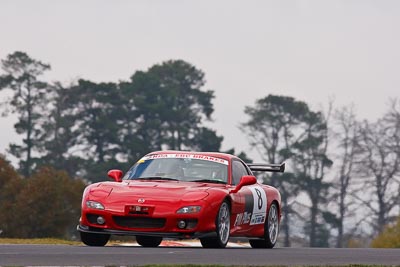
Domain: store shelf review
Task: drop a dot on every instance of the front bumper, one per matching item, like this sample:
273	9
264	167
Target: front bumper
94	230
161	220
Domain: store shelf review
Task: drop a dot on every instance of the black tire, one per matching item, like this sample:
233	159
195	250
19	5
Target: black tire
271	229
149	241
94	240
223	228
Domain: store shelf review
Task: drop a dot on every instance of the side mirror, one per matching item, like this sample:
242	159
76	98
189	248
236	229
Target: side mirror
245	180
116	175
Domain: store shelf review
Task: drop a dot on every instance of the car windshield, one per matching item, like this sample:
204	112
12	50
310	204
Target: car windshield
191	168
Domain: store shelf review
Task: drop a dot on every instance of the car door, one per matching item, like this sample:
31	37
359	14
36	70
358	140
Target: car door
250	207
239	215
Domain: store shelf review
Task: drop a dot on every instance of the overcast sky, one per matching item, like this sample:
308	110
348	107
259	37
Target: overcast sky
312	50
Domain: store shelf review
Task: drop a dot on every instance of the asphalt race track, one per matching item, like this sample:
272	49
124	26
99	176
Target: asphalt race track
62	255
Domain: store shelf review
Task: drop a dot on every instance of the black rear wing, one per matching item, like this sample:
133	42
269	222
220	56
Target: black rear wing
264	167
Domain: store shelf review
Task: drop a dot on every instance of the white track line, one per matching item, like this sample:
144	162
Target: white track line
173	243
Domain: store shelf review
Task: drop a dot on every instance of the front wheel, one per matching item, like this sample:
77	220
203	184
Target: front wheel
223	225
271	229
148	241
95	240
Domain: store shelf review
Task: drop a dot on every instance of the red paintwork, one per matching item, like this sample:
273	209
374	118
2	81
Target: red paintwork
245	180
164	198
116	175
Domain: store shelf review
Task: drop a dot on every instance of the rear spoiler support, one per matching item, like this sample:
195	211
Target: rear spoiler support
264	167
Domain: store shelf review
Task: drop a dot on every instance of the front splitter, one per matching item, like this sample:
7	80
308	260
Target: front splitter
93	230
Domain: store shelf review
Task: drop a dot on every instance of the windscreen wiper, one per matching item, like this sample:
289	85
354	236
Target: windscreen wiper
156	178
209	181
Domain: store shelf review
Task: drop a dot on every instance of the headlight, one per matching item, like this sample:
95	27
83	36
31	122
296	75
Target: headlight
94	205
189	209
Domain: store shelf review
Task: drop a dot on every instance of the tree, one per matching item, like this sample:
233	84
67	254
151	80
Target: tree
7	172
310	163
273	130
96	126
46	205
207	140
28	101
10	184
58	136
187	105
380	142
143	110
165	108
348	154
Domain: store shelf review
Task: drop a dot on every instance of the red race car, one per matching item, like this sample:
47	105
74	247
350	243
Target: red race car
183	195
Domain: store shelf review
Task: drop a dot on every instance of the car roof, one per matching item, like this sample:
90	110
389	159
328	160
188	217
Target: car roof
210	154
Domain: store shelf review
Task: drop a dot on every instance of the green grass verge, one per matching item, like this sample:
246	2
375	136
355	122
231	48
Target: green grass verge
49	241
39	241
198	265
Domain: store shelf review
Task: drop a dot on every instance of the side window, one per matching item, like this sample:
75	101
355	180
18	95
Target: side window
238	170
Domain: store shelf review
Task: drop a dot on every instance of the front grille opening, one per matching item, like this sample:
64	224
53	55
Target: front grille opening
139	222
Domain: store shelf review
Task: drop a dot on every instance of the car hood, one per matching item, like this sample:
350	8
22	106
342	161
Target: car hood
156	190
